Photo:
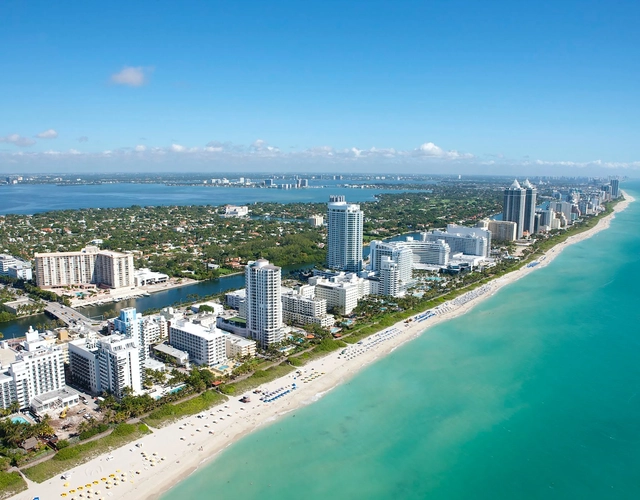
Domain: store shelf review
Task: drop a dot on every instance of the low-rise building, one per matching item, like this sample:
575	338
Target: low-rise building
168	353
206	346
239	347
300	310
341	292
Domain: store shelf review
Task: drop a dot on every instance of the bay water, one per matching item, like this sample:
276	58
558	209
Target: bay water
533	394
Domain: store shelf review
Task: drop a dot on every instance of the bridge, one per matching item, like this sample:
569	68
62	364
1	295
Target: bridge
66	314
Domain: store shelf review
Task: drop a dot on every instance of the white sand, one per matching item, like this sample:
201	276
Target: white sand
189	443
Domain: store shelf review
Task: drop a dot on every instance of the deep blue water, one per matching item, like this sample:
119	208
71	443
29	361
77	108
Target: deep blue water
33	198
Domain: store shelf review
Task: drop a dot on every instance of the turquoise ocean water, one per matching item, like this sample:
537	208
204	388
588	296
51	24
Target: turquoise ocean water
533	394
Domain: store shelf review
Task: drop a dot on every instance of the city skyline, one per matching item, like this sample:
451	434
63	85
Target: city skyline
410	87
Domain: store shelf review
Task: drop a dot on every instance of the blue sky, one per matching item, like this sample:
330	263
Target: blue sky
403	86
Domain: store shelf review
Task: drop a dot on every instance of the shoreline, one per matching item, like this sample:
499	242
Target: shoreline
117	295
194	441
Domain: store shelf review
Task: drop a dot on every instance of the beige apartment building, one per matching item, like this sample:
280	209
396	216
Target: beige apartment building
88	266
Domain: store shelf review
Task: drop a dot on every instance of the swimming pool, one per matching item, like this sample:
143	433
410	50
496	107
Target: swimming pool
21	420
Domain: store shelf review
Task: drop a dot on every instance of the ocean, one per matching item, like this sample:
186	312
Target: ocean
533	394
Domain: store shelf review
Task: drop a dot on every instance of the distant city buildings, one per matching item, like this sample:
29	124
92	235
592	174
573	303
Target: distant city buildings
263	305
236	211
316	220
88	266
344	238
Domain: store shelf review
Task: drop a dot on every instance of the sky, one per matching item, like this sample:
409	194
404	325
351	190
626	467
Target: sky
544	87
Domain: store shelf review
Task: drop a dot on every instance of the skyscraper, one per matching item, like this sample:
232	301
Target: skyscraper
263	303
514	205
615	187
344	240
529	207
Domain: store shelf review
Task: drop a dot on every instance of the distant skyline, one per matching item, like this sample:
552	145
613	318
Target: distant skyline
459	87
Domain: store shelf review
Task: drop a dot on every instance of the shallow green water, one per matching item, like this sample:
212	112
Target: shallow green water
533	394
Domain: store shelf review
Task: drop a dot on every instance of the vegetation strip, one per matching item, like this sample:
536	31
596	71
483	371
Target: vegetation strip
73	456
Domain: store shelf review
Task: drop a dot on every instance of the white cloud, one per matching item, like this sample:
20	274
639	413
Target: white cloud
131	76
48	134
18	140
140	148
177	148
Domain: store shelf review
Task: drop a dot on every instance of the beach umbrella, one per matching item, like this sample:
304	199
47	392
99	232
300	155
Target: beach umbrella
79	488
103	479
63	494
112	475
88	485
96	482
66	485
118	470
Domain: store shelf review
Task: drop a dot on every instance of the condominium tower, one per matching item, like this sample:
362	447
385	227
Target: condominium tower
89	265
514	206
344	239
263	304
529	207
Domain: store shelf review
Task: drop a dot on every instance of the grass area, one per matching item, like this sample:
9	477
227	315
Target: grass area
259	377
72	456
11	483
170	412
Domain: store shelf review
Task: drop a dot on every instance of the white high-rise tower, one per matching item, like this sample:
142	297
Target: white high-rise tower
344	240
263	303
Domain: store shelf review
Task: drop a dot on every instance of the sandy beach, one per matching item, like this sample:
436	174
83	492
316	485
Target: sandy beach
150	466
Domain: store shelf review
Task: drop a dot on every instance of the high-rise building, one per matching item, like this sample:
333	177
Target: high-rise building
615	187
262	303
529	207
37	370
514	206
89	265
109	364
395	272
503	230
344	240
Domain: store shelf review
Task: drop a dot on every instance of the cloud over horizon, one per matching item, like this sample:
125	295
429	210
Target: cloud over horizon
131	76
18	140
261	156
48	134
